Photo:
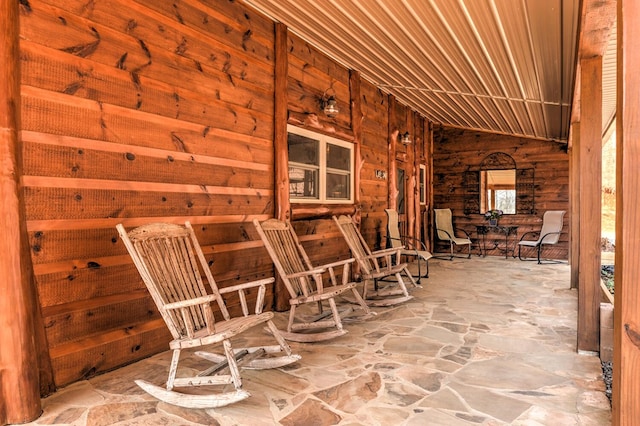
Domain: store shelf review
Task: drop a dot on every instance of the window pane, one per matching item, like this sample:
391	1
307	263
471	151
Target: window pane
338	186
303	150
303	183
338	157
506	200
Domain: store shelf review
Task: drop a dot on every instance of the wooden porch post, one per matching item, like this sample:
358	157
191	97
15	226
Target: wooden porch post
356	126
417	159
280	147
626	344
19	366
281	151
574	204
392	146
428	153
589	186
410	174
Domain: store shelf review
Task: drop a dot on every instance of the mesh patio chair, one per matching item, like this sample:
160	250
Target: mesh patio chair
446	232
552	222
409	246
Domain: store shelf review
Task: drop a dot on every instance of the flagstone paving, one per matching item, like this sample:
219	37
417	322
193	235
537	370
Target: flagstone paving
485	341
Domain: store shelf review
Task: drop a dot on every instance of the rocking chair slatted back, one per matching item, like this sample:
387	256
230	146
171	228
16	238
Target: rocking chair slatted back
171	264
357	244
288	255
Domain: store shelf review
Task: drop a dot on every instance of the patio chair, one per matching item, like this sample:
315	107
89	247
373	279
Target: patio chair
446	232
171	263
411	247
377	268
306	286
552	222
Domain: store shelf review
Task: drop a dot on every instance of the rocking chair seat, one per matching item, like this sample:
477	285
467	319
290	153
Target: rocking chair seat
224	330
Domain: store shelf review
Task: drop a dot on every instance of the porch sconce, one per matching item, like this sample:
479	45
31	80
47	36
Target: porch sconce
329	104
405	138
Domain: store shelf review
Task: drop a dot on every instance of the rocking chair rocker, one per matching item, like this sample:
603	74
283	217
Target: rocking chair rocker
377	267
171	263
305	285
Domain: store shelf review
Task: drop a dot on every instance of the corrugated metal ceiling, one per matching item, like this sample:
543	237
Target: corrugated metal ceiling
504	66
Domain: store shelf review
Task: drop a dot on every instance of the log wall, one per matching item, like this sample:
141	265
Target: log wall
456	151
149	111
135	112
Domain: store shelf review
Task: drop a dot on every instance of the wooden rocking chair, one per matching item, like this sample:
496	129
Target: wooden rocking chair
171	263
377	267
305	284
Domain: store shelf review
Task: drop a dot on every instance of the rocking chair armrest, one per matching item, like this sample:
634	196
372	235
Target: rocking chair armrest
191	302
314	271
244	286
240	289
384	252
337	263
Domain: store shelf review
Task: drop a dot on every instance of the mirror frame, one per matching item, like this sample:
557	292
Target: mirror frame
525	183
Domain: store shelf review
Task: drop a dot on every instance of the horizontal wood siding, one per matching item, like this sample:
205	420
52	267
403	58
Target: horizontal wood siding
137	112
143	111
310	74
457	150
374	190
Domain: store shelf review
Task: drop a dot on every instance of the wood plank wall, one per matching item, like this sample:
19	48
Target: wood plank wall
146	111
136	112
456	151
153	111
310	75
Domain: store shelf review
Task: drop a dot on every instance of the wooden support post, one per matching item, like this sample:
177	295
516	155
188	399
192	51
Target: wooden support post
281	151
410	174
19	307
280	147
574	201
356	126
589	166
428	153
393	141
417	159
626	345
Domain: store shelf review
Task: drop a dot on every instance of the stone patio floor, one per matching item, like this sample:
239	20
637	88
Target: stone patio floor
485	341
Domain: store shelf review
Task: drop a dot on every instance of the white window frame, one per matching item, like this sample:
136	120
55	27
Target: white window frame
323	140
423	180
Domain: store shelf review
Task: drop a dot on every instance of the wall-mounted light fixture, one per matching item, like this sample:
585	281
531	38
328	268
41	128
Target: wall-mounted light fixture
329	104
405	138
